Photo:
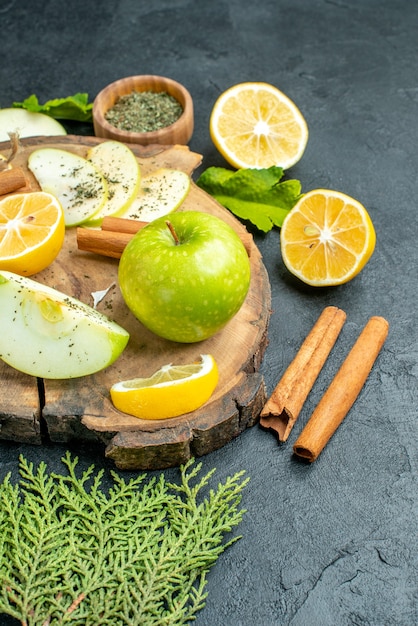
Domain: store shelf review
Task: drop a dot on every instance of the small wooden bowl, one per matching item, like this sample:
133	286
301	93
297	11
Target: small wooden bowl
178	133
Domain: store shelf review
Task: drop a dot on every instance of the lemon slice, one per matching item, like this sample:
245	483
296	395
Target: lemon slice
78	185
120	168
32	232
171	391
327	238
254	125
160	193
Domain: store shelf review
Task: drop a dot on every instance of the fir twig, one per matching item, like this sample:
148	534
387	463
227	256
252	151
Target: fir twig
136	554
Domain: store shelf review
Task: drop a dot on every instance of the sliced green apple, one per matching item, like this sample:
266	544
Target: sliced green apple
78	185
160	193
120	168
48	334
28	124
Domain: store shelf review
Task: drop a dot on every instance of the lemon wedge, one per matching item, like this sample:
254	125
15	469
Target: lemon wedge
171	391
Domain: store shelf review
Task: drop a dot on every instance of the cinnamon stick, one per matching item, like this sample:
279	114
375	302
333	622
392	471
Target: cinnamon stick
343	390
11	180
115	234
284	405
122	225
106	243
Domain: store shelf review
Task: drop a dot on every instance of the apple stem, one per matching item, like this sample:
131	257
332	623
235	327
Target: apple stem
173	232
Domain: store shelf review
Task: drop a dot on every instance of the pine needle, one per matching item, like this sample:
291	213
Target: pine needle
137	553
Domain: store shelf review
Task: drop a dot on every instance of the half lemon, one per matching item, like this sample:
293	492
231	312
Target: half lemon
327	238
255	125
32	231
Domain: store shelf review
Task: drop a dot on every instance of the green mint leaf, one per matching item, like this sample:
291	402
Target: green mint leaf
256	195
76	108
263	216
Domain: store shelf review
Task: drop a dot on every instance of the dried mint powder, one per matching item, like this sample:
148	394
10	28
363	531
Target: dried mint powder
144	111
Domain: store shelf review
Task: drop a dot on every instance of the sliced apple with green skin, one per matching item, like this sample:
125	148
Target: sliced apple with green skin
160	193
121	170
28	124
78	185
48	334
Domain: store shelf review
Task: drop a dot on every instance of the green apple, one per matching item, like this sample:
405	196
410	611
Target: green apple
184	276
48	334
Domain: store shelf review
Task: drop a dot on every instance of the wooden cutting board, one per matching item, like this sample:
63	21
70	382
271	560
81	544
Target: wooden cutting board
44	411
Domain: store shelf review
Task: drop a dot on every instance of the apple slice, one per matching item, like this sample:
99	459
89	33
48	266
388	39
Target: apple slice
78	185
160	193
48	334
27	124
120	168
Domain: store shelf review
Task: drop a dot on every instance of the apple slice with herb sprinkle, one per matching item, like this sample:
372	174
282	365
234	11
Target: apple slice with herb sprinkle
48	334
77	184
121	170
160	193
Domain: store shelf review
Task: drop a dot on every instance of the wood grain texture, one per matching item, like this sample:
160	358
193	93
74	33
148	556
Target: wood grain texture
81	408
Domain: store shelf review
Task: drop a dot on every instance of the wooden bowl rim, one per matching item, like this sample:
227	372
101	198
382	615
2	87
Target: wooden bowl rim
117	89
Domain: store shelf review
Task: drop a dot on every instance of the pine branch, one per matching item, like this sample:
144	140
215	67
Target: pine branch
137	553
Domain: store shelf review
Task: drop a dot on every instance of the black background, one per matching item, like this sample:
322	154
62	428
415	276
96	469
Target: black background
335	542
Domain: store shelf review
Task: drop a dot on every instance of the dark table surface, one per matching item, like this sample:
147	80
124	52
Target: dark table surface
333	542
